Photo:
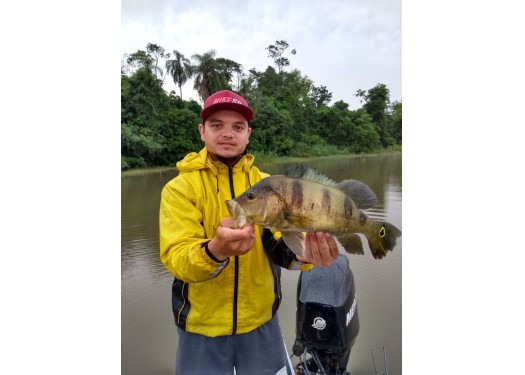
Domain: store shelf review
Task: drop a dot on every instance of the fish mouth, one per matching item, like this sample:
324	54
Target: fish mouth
233	208
237	213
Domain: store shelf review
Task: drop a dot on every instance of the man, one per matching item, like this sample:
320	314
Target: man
226	290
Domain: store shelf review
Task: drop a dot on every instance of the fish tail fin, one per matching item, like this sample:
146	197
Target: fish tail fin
351	243
383	239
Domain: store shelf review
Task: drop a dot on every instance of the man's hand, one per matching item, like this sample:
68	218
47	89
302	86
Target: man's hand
229	241
320	249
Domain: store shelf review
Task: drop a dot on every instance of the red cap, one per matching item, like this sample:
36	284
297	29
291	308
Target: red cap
226	99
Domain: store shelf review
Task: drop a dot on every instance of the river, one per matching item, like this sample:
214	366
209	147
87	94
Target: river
149	335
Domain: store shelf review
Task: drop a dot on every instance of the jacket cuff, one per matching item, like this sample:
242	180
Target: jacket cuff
208	252
222	264
300	266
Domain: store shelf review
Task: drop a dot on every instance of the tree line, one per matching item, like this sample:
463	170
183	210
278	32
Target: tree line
293	116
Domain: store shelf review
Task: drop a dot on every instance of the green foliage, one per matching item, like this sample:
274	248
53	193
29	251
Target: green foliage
397	122
320	95
365	137
182	135
315	146
268	125
264	156
377	101
292	115
139	146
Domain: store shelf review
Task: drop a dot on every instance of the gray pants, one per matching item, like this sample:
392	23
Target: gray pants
259	352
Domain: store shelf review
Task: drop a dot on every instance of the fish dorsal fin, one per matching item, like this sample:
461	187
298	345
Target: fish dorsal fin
360	193
308	173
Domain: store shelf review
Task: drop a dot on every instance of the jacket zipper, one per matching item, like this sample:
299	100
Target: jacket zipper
236	279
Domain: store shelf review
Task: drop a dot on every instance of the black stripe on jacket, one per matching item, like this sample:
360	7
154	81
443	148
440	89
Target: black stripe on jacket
180	302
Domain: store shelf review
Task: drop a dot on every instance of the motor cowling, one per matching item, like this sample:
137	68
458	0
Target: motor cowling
327	321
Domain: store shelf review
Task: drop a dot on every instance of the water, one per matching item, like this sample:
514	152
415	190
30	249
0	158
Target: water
149	336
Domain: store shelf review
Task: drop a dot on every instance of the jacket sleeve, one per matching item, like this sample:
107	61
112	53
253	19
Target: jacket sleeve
182	236
280	254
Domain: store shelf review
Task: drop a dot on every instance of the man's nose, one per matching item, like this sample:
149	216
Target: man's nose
228	133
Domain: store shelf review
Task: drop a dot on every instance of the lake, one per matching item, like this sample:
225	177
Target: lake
149	335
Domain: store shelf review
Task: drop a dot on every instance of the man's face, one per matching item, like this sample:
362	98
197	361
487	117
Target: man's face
225	133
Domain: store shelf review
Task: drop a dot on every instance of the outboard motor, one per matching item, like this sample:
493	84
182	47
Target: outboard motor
327	320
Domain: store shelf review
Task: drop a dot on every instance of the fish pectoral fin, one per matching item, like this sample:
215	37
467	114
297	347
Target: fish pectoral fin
351	243
295	241
361	193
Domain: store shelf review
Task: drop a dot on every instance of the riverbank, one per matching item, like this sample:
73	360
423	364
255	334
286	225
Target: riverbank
262	160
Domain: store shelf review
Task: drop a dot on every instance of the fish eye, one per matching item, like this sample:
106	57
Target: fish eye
250	196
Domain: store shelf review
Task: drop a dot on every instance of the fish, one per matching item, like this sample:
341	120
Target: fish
304	200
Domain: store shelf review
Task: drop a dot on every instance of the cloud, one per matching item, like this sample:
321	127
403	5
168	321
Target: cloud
344	45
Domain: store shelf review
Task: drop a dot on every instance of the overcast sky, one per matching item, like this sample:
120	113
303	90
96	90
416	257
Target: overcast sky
344	45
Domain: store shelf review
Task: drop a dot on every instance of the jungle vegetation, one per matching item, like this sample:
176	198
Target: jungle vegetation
293	116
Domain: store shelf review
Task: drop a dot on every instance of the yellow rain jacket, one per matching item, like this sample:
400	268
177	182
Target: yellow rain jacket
209	297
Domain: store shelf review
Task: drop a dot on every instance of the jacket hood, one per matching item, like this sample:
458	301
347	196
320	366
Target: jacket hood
196	161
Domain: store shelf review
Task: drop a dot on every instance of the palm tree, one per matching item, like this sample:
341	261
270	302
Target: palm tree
210	74
180	69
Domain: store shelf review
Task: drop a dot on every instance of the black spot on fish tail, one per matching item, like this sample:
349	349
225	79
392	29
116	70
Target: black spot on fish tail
349	208
383	239
297	194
